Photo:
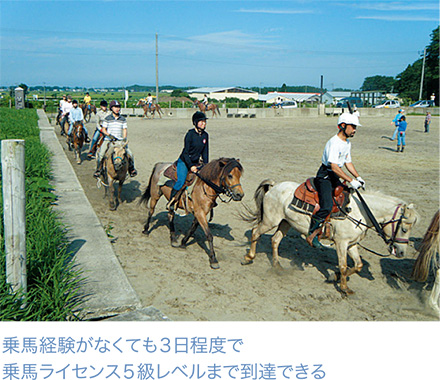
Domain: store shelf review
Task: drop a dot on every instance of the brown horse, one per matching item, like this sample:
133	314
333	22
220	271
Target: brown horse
221	176
152	109
76	142
211	107
429	251
115	167
87	112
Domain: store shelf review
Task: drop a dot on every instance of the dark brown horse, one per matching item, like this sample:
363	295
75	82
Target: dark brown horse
87	112
211	107
76	142
115	167
428	256
152	109
221	176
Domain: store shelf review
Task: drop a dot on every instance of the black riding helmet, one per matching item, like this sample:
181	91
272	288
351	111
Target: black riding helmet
103	103
197	117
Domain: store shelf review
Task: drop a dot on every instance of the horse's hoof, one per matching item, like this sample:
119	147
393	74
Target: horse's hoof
215	265
175	243
246	261
112	208
145	232
347	292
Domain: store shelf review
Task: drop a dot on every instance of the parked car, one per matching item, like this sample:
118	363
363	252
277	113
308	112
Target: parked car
388	104
352	100
289	104
421	103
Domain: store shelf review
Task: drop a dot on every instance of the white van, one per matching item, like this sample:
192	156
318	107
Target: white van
388	104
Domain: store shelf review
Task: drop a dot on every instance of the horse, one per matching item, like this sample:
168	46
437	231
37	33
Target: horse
87	112
211	107
274	210
152	109
429	254
77	140
221	176
115	168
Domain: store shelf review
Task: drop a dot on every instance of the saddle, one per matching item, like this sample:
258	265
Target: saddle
171	173
306	198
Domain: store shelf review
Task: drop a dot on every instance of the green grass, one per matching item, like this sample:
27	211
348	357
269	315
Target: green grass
53	281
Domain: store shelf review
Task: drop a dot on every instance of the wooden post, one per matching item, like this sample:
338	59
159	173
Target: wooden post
14	210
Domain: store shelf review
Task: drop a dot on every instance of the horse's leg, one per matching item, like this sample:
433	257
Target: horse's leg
190	233
341	249
111	189
282	230
201	218
153	202
173	236
119	199
354	254
78	154
257	231
435	293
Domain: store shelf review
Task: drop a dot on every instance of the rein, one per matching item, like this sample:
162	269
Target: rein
379	227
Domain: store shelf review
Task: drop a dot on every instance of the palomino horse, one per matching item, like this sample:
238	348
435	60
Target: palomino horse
274	209
211	107
76	142
151	110
221	176
429	254
87	112
115	167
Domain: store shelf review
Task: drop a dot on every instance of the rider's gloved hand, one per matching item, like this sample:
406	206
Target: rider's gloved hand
361	181
355	184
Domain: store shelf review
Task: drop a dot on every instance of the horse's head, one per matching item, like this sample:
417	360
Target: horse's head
398	229
119	157
230	178
140	102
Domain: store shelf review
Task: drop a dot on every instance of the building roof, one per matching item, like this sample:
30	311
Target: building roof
298	96
209	90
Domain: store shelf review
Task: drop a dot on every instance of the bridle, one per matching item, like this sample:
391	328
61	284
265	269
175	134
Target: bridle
223	188
395	228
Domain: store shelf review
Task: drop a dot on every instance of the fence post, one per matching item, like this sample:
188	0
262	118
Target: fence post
14	212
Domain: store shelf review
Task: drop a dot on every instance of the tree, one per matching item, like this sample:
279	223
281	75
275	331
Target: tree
379	83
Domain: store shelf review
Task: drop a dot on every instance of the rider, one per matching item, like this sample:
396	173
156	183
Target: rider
114	126
149	100
205	101
101	115
196	149
336	155
395	121
76	114
87	100
67	106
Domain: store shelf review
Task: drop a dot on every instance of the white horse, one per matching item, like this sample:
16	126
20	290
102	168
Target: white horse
429	252
274	210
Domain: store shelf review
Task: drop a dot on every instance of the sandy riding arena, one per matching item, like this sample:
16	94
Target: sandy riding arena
181	283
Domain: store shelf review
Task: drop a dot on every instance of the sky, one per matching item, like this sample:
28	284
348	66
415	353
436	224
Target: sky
224	43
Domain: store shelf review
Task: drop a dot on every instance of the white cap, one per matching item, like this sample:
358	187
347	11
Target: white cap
349	118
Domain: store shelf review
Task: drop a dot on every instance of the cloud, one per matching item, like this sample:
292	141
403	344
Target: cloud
273	11
398	6
398	18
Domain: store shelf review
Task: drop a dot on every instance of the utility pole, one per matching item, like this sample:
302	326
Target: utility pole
157	73
423	73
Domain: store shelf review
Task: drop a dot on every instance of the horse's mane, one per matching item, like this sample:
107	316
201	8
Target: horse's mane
379	194
215	168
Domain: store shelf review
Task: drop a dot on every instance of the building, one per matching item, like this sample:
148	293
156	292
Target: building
299	97
221	93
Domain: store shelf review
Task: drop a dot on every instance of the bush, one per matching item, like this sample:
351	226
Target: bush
53	281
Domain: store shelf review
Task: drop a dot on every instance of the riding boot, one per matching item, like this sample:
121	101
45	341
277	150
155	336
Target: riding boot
312	238
131	169
398	149
402	149
97	173
172	201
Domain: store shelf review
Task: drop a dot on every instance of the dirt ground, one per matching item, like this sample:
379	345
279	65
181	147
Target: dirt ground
181	283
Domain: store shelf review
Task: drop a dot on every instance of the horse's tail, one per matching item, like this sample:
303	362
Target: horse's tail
147	193
255	217
218	109
428	248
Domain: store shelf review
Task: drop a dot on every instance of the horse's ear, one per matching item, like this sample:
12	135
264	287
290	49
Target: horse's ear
411	206
222	164
238	160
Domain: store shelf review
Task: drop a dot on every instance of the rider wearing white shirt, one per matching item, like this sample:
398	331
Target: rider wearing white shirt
337	154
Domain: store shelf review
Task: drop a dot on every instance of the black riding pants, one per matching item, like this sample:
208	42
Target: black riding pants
326	181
